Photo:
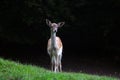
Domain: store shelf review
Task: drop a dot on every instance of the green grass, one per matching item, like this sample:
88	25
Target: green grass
10	70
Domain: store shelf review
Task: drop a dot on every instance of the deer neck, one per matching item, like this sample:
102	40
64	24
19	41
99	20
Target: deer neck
53	39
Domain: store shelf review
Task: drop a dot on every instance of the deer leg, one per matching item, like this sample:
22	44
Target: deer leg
51	65
60	64
52	62
56	64
55	67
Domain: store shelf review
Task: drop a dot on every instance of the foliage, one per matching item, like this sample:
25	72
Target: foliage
24	21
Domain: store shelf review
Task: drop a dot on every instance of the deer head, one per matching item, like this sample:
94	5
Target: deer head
54	26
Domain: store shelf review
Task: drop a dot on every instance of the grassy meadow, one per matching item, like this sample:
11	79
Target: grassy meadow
10	70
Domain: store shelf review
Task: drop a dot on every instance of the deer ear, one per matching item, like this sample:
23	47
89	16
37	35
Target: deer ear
48	22
60	24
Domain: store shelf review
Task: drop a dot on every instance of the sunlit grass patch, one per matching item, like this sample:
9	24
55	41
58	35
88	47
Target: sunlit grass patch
10	70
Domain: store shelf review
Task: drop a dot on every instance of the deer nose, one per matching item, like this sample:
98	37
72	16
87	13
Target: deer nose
55	30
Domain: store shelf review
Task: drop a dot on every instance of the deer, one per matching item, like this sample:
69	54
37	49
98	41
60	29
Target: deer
55	46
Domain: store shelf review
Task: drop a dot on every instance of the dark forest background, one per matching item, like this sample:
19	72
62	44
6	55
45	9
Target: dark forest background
91	29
